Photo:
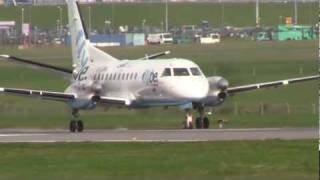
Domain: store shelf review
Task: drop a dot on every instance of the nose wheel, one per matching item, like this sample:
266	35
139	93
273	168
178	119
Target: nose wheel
188	122
76	125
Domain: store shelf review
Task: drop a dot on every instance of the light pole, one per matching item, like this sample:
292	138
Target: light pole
89	11
161	23
222	13
143	23
295	12
58	25
166	15
107	23
280	19
60	15
257	14
22	18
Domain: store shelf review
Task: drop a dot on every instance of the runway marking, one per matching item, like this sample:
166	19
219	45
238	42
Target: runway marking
17	135
63	136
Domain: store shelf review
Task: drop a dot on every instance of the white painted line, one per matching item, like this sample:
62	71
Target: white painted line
17	135
4	56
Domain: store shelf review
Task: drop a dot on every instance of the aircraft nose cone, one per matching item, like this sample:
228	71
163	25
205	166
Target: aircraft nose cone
193	89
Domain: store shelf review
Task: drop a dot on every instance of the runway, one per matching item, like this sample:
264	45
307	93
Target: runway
52	136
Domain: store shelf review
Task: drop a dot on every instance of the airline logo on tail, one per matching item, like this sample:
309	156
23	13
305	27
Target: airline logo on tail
82	53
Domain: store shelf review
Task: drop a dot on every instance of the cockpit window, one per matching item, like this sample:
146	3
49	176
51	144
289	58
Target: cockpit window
181	72
195	71
166	72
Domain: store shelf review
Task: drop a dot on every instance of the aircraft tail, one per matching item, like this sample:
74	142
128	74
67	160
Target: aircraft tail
83	52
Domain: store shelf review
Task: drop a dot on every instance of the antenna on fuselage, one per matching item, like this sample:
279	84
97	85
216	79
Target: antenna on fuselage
153	56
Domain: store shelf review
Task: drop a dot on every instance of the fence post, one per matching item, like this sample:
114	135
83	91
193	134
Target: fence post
314	110
261	109
253	71
236	111
301	70
288	108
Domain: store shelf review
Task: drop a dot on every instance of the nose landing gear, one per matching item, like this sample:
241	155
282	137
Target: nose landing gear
188	123
76	124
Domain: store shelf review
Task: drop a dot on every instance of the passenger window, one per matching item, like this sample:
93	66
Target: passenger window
166	72
195	71
131	76
94	77
123	76
98	78
102	77
127	76
119	76
181	72
106	78
136	76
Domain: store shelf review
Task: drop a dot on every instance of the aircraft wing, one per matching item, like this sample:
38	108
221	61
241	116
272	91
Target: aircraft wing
64	97
36	64
273	84
50	95
111	100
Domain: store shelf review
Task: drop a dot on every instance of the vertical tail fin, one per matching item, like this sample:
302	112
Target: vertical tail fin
83	52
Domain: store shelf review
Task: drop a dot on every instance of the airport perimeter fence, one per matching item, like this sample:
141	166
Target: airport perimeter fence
267	109
60	2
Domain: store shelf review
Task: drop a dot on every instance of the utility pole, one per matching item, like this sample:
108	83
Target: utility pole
166	15
89	11
60	15
222	13
22	17
257	14
295	12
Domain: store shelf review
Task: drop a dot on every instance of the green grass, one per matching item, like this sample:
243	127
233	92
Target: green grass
234	160
231	59
236	14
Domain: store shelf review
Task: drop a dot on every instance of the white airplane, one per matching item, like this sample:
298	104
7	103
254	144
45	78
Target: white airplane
100	79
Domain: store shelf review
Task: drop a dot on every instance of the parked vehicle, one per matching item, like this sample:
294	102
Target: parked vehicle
211	38
262	36
160	38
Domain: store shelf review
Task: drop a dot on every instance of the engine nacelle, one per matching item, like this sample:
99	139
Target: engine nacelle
218	91
218	83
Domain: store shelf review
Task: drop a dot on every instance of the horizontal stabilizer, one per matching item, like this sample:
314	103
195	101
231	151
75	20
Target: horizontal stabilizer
154	56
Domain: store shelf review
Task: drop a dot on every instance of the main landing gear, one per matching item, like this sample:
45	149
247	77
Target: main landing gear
202	122
76	124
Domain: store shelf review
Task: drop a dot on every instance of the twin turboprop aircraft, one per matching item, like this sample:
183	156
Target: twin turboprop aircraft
97	78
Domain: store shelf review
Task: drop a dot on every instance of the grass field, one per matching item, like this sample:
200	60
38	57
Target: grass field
232	160
234	60
235	14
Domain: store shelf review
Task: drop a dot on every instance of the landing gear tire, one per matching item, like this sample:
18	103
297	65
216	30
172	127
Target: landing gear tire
73	126
202	123
76	126
198	123
187	125
206	123
80	126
